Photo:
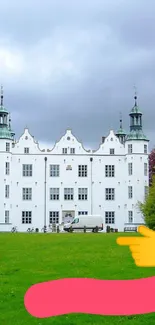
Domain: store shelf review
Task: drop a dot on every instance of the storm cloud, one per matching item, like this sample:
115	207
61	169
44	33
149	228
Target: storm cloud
75	63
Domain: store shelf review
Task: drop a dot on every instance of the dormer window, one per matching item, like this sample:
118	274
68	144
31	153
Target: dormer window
112	151
68	138
64	151
72	151
26	150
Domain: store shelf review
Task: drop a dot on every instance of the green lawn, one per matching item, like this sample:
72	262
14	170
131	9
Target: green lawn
26	259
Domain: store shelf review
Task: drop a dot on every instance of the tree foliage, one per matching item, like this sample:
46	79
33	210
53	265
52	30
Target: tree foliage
151	165
148	207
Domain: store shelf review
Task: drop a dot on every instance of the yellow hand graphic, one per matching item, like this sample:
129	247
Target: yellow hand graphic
142	248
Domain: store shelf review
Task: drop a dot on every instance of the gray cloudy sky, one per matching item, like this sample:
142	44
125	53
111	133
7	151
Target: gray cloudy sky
66	63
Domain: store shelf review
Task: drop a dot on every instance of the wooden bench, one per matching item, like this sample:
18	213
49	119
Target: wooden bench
130	229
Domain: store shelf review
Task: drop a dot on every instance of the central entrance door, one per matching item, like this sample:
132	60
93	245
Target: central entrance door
68	216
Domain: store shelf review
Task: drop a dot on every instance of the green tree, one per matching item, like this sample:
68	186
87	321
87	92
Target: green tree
148	207
151	165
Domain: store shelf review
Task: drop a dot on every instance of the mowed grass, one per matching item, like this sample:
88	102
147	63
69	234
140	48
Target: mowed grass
26	259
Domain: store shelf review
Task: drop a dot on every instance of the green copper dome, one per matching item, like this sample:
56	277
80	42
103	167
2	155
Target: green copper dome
136	135
5	133
136	110
3	109
121	132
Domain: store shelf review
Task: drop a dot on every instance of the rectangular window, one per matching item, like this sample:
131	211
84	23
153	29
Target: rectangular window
7	216
109	171
110	194
7	146
145	148
27	194
129	148
130	192
146	192
27	170
54	217
72	151
82	213
112	151
83	194
26	217
82	170
130	216
7	191
7	168
145	169
54	193
64	151
109	217
68	194
130	171
54	170
26	150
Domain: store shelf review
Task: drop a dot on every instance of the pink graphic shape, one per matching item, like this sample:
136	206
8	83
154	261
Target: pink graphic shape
91	296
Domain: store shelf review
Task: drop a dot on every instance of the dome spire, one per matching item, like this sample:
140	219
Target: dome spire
121	126
135	97
1	95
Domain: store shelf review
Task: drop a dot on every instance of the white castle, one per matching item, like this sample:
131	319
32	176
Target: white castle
43	187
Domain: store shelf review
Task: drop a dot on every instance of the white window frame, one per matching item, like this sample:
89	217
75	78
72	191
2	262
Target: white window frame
27	170
109	170
130	216
26	150
27	217
72	151
145	148
112	151
130	168
54	194
7	168
109	194
7	216
68	194
7	146
130	149
82	194
27	194
54	170
146	192
145	169
130	192
64	151
110	217
7	191
82	170
53	217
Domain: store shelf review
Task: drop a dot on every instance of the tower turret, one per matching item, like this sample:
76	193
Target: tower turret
5	125
121	133
136	126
